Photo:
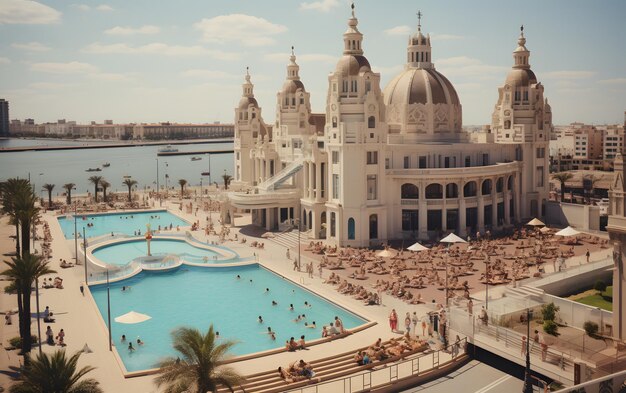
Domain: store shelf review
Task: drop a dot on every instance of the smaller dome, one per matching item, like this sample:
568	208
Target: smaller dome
352	65
521	77
292	86
245	102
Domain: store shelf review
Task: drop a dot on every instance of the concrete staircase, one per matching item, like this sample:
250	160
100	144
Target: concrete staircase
289	239
525	292
279	178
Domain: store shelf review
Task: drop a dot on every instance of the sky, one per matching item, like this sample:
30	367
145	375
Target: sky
184	61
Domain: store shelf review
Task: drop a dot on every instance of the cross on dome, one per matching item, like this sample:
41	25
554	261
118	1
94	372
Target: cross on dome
419	20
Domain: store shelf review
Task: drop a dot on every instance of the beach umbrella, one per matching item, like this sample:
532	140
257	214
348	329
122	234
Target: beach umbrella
569	231
535	222
132	317
417	247
452	238
387	253
545	230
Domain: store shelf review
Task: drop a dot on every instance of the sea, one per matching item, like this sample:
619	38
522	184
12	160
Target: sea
139	162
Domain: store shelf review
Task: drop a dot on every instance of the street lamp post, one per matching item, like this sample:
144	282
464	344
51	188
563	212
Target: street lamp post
38	318
528	385
299	255
487	283
85	254
158	187
75	231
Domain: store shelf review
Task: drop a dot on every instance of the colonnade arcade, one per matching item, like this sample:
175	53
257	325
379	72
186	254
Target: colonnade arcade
428	208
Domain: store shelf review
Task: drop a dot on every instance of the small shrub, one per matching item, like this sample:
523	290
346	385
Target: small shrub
16	342
10	289
600	286
591	328
548	312
551	328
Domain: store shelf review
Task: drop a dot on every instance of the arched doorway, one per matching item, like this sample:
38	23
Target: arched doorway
374	226
323	226
351	228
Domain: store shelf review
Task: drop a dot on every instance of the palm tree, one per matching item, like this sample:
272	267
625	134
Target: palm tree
10	190
104	184
227	179
182	183
129	183
199	369
562	178
96	181
55	373
49	187
23	271
68	189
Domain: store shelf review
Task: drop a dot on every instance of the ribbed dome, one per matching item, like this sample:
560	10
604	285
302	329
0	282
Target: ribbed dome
245	102
420	86
352	65
292	86
521	77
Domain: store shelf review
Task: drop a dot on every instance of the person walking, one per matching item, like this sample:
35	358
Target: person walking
49	336
587	254
393	320
407	323
414	320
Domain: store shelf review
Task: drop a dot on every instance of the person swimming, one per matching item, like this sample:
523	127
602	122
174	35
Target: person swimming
274	303
130	347
139	342
260	319
238	277
291	307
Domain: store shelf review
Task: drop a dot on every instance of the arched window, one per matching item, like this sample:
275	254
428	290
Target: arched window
434	191
333	226
303	219
500	184
371	122
486	187
334	122
452	190
351	229
409	191
374	226
469	190
509	183
507	124
310	219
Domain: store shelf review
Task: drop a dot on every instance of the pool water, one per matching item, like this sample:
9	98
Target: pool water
125	252
198	296
127	223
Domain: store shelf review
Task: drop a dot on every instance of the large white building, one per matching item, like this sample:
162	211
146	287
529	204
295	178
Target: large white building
393	163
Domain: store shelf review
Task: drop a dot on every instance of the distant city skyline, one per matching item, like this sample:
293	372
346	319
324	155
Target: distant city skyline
93	60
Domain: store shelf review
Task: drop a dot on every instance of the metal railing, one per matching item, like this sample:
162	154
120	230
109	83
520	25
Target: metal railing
393	372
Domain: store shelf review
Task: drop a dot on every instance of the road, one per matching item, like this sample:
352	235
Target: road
474	377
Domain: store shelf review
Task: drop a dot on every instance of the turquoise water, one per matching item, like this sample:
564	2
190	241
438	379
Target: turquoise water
127	223
197	297
123	253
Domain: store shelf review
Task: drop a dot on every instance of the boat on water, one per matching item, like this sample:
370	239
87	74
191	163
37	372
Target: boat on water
106	165
196	158
168	149
93	170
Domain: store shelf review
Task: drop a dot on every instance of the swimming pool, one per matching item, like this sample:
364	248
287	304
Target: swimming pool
124	252
126	223
197	297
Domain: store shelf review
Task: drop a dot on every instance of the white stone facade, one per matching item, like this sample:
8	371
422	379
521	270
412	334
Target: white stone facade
393	163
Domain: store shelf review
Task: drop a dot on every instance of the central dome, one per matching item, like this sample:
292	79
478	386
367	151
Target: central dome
420	86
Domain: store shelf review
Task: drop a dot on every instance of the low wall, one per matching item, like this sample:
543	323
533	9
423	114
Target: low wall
610	383
576	314
576	278
583	217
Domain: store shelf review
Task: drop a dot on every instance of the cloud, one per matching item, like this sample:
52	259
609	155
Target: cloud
399	30
4	60
46	85
104	7
566	74
209	74
158	48
323	5
72	67
109	76
463	66
119	30
614	81
31	46
389	72
27	12
245	29
301	59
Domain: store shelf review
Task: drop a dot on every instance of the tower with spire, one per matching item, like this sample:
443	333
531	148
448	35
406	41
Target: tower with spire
249	130
523	117
355	140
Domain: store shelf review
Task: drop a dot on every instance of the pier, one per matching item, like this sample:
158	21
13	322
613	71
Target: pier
193	153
